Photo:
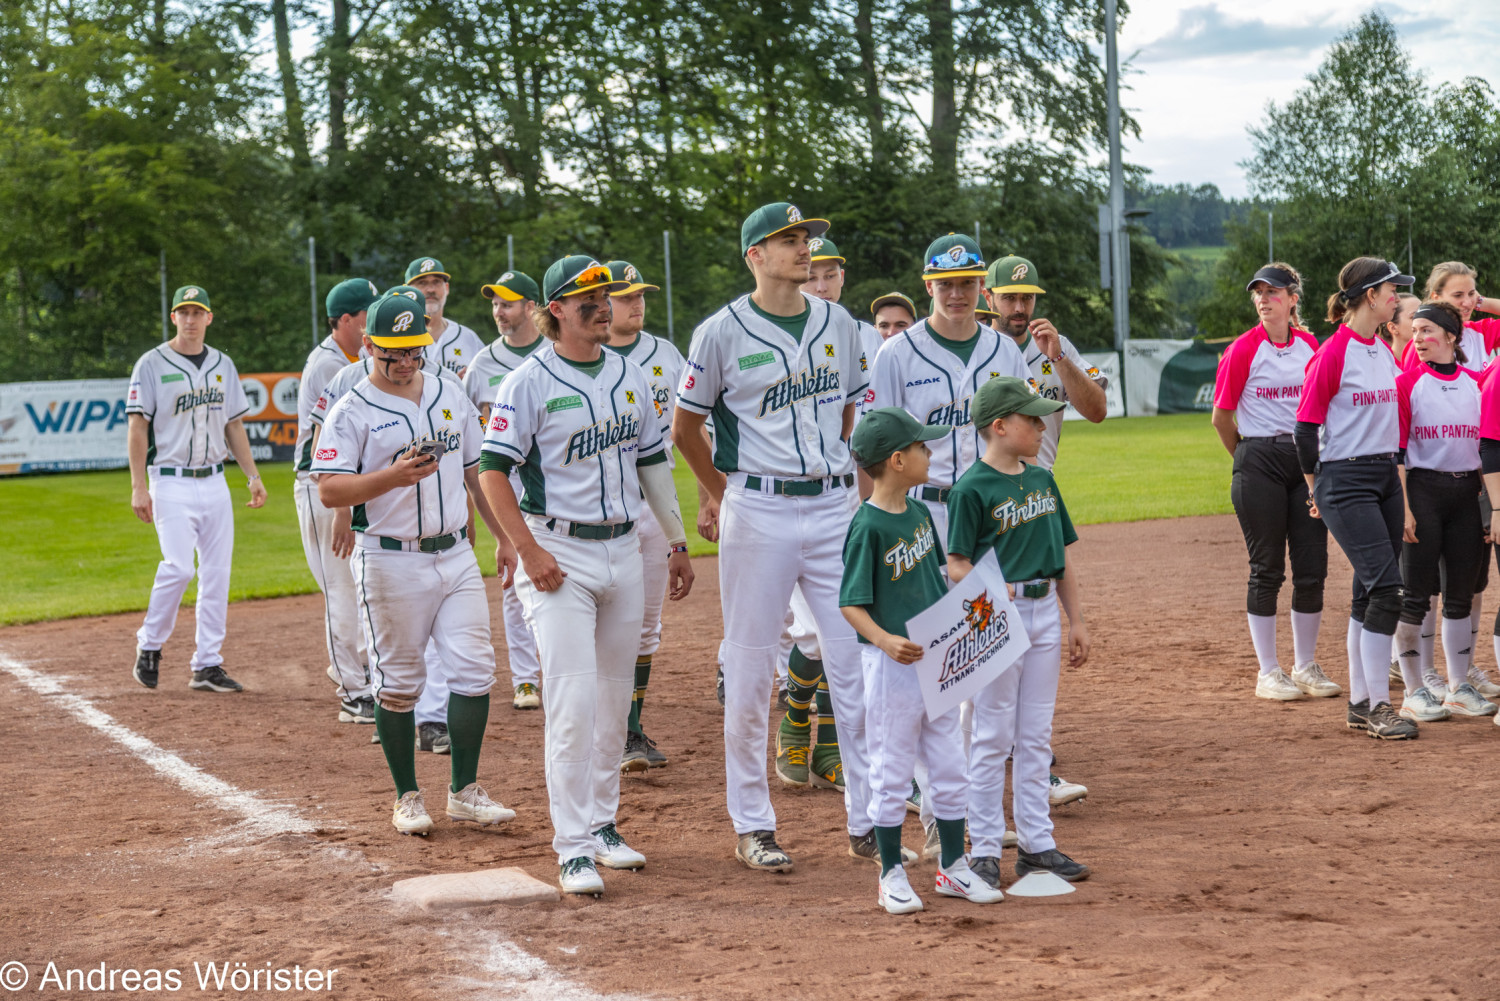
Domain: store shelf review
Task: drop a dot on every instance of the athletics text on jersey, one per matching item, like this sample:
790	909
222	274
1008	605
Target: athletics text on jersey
186	406
1350	389
1022	517
325	362
1439	419
1262	382
1048	383
893	564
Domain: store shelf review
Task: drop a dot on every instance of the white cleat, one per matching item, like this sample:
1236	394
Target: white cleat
611	851
410	816
578	875
1062	792
1277	687
896	894
1422	707
958	880
1311	680
1482	683
473	803
1465	701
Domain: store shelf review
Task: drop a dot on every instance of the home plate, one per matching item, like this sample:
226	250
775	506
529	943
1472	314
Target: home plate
448	890
1040	884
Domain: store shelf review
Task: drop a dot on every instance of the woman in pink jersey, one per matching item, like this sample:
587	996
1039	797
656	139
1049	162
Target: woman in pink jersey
1347	435
1255	409
1438	403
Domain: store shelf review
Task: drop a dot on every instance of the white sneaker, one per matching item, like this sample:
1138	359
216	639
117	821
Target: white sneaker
1423	707
578	875
1482	683
1311	679
1277	687
1009	840
1062	792
1436	686
611	851
473	803
958	880
896	894
1468	702
410	816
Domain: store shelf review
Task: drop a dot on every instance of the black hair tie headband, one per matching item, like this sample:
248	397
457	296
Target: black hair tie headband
1442	318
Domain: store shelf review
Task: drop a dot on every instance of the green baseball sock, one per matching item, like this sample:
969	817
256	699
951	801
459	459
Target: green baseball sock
951	839
642	678
467	717
888	840
802	679
828	732
398	739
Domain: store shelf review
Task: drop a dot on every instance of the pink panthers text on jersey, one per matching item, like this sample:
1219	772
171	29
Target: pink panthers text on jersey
1350	389
1262	381
1439	417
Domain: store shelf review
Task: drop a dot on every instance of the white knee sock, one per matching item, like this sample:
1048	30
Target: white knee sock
1428	644
1305	637
1358	691
1407	635
1372	648
1456	650
1263	638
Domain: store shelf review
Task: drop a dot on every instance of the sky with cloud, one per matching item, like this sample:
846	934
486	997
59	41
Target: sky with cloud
1201	71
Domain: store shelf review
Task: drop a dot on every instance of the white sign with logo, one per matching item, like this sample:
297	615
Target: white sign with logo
969	637
78	424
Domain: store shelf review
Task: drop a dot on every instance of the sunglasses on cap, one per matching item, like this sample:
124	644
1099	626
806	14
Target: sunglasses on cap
946	261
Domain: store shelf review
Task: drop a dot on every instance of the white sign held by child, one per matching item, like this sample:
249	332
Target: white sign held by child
969	637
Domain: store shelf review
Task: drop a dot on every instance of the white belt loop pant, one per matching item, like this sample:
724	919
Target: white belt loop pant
191	515
347	663
654	553
899	731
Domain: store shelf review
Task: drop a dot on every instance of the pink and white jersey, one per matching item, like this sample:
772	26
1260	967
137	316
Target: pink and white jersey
1262	381
1351	390
1439	419
1489	403
1480	339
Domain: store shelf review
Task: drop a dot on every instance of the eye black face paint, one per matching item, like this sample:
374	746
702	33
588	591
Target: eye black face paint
586	311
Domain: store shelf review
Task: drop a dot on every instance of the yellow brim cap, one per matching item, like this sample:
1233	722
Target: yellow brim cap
409	341
1019	288
932	276
505	294
638	287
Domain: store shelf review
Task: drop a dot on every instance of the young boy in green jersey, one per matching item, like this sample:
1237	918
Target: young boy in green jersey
1002	503
893	568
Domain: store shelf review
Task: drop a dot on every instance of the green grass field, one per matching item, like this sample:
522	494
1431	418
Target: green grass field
73	546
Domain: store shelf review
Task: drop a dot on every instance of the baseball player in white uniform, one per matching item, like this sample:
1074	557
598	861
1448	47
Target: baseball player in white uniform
327	552
453	344
893	313
582	426
185	406
401	448
513	296
662	365
781	372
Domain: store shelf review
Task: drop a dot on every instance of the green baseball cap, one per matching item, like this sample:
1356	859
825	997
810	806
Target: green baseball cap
625	270
1006	395
953	256
887	430
575	274
410	292
823	249
894	299
424	266
395	321
350	297
191	295
513	286
1012	274
768	220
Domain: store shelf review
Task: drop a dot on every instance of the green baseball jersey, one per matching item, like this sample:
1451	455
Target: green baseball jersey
893	564
1022	517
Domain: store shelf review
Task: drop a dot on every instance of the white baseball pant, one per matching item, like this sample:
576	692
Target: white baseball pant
432	705
586	636
654	553
939	512
341	632
520	645
190	515
899	731
1013	718
768	543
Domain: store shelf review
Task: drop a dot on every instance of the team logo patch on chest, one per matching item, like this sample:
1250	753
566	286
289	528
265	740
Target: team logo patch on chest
798	387
601	436
1009	514
903	556
656	371
757	360
564	403
447	414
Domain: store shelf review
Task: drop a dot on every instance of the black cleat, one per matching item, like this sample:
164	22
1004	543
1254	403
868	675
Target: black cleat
213	679
654	757
433	737
147	667
719	686
987	868
1384	724
360	710
1052	861
1359	715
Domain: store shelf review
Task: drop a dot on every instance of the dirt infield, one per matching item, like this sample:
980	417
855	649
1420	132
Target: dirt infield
1241	849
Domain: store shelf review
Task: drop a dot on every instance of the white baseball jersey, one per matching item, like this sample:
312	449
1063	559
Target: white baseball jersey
1351	391
576	438
1049	384
368	430
777	404
325	362
455	347
869	341
186	406
916	373
350	375
485	373
1262	382
662	365
1439	417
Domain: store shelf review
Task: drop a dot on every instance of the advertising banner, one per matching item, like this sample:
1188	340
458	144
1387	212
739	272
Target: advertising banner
1108	363
1170	377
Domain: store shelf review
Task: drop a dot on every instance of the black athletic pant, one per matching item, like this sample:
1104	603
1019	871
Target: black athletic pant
1360	501
1449	529
1269	495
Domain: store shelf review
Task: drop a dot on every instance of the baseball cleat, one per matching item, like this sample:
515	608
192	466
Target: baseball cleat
1482	683
410	816
578	875
958	880
1056	862
791	753
914	801
1384	724
896	894
433	737
1277	687
147	667
360	710
1422	707
654	757
827	769
526	697
782	705
473	803
863	846
987	868
1009	840
634	758
759	850
1310	679
1394	674
611	851
932	845
719	686
1061	792
1359	715
1466	701
213	679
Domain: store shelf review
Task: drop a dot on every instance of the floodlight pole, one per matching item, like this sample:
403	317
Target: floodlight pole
1119	237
